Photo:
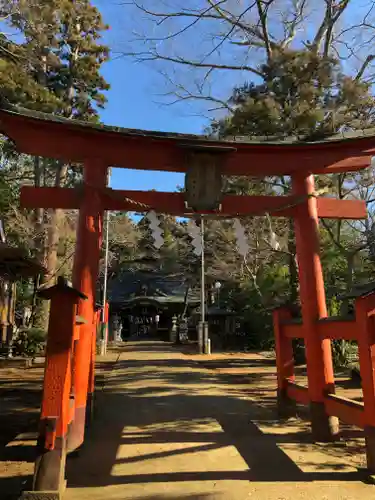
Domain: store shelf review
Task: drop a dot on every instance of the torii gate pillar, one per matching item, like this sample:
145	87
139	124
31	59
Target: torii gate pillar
313	303
85	273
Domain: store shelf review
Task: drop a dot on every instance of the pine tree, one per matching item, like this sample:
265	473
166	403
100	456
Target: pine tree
302	95
62	54
55	68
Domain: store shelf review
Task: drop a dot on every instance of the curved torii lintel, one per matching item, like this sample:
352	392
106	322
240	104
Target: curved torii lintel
46	135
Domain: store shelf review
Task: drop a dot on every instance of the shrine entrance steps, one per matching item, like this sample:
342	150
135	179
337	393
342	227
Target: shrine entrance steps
170	425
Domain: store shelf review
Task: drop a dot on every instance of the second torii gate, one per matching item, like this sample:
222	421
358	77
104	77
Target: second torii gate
99	147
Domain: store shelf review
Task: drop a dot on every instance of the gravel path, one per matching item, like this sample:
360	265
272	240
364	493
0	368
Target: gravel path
175	426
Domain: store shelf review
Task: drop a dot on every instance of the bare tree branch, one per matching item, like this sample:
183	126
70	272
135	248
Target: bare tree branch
197	17
364	66
291	26
232	29
333	12
223	36
155	56
263	22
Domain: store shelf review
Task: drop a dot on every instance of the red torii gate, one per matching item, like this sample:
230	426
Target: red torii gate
98	147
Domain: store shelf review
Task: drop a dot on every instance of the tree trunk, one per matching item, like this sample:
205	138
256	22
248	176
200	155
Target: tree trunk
186	301
349	282
340	346
39	313
53	237
292	264
50	249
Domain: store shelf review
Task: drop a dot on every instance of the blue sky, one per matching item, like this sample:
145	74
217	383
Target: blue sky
134	101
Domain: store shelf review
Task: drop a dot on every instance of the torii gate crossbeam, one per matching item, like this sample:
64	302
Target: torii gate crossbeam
98	148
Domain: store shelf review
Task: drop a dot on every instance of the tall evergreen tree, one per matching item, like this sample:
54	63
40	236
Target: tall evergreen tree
301	95
61	51
55	67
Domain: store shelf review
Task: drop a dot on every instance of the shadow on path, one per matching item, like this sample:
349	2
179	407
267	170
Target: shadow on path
154	401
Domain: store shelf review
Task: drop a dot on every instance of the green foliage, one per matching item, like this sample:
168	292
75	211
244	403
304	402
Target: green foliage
56	68
302	95
7	194
343	352
29	342
50	60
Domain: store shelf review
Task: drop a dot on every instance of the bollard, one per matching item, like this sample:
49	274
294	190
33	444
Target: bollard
207	347
91	385
200	337
206	339
286	407
49	472
365	307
